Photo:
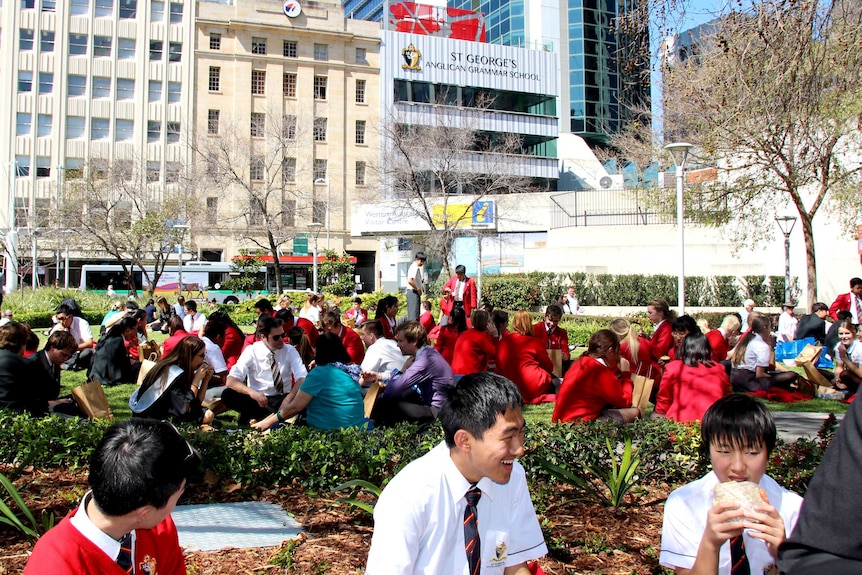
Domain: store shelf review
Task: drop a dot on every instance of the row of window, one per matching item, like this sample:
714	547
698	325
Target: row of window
74	169
128	9
78	44
288	127
288	48
288	84
257	170
101	87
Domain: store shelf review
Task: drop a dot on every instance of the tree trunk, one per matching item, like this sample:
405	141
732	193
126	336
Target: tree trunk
276	262
810	259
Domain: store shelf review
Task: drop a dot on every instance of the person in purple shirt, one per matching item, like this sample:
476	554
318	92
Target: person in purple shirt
416	392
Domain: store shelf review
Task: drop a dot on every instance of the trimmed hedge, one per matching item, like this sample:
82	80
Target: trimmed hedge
319	460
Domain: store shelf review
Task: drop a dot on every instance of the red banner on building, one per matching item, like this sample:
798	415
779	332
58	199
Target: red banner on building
454	23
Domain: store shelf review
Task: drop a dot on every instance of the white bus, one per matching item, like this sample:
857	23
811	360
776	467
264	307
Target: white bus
201	281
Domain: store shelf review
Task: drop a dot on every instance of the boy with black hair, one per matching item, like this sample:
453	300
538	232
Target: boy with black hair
123	525
464	507
701	537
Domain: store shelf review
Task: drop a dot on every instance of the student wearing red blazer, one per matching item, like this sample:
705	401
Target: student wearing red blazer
474	348
463	290
447	335
549	332
522	359
331	323
386	314
851	301
660	314
723	338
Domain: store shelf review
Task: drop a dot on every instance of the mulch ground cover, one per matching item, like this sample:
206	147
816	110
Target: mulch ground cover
583	537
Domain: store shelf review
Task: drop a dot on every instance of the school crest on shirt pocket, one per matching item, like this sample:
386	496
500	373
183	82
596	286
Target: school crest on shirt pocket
501	552
148	566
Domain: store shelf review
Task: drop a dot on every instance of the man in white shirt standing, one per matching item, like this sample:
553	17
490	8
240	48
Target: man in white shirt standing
381	354
464	507
416	280
265	373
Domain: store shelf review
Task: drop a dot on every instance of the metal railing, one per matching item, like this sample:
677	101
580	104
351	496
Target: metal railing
603	208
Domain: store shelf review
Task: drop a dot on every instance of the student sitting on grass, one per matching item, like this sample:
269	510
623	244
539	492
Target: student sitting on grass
701	537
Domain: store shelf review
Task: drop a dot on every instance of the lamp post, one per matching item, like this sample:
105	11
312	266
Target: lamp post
314	229
679	153
785	224
182	226
328	192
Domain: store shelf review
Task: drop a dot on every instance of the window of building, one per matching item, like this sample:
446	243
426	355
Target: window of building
154	91
321	52
43	167
318	172
125	89
360	91
215	41
360	56
74	169
255	211
77	85
25	81
104	7
289	85
257	168
24	123
49	5
320	87
153	171
46	82
175	92
45	123
157	11
28	4
318	211
102	46
124	130
75	127
258	82
360	173
77	44
123	169
128	9
258	46
319	129
154	130
288	170
175	53
258	121
100	129
360	131
289	49
288	212
126	48
101	87
22	166
156	50
212	121
172	172
25	39
215	79
212	211
173	132
288	130
80	7
46	42
176	13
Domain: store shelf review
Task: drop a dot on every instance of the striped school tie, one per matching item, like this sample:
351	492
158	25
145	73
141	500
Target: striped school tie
124	559
276	374
471	531
738	560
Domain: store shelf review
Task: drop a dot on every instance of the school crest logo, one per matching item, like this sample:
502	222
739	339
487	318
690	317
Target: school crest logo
500	552
411	56
148	566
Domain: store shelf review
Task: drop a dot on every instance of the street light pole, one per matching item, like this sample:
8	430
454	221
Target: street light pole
314	230
679	153
785	224
328	197
182	226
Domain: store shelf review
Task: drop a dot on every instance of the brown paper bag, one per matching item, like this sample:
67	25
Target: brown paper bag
815	376
556	356
149	350
810	353
91	399
146	366
641	392
370	398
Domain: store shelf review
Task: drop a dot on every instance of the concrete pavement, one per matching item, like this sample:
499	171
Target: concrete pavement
791	426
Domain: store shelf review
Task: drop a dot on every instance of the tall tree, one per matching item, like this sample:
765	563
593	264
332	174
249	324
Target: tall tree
773	98
440	171
265	167
125	216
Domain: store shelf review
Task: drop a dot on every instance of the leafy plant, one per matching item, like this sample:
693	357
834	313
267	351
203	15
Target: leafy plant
336	274
363	486
615	481
247	265
33	529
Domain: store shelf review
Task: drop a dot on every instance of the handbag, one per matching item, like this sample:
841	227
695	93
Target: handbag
91	399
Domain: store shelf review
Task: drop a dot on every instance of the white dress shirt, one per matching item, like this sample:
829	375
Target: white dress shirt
383	355
418	521
253	366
